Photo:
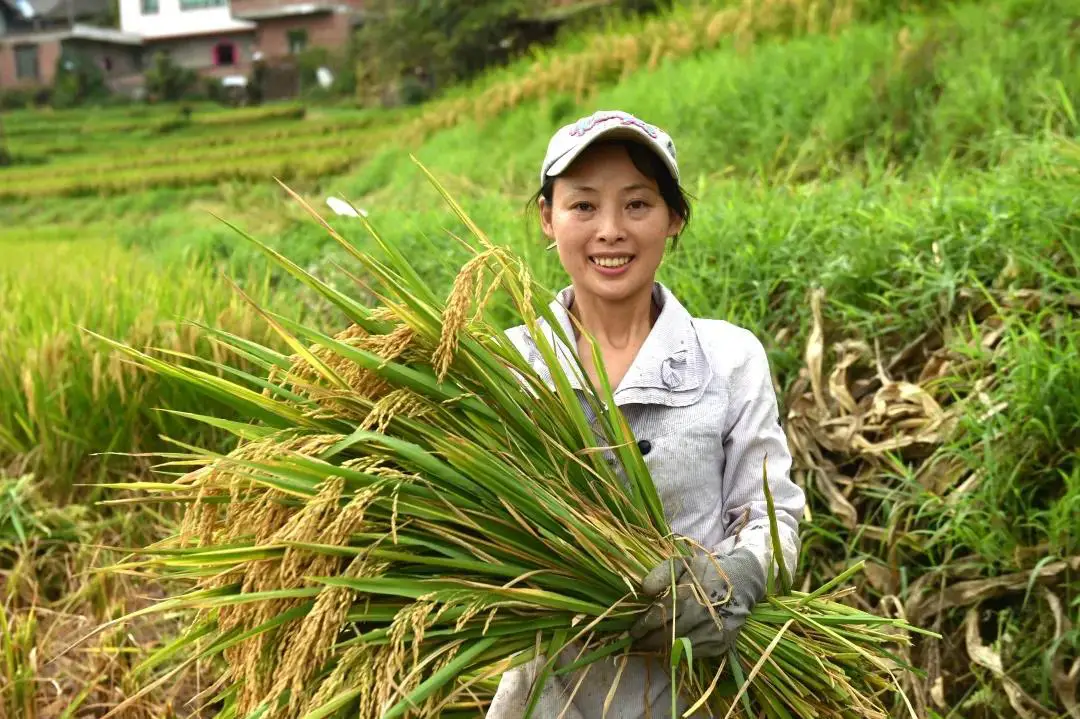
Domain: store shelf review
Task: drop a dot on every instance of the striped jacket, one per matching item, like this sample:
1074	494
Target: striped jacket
700	400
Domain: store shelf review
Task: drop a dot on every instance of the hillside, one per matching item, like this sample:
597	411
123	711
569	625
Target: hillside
887	198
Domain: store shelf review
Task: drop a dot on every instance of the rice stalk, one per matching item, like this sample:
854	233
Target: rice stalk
425	511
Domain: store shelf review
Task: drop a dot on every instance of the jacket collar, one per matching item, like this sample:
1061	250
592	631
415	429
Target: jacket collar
671	367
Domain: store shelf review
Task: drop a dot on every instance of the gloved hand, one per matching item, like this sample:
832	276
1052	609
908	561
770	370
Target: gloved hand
733	583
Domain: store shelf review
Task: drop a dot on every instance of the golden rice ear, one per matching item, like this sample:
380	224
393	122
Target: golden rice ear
437	509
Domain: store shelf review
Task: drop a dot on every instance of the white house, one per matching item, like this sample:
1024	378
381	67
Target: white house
198	34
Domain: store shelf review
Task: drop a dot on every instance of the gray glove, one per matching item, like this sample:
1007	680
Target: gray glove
731	601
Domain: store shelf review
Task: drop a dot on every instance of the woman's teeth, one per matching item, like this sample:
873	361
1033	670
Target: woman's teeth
611	261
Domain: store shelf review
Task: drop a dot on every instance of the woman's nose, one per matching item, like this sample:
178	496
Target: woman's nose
611	227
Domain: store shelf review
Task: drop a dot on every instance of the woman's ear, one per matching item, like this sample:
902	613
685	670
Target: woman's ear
676	225
545	219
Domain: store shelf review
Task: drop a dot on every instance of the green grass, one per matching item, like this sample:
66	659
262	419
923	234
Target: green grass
66	399
905	166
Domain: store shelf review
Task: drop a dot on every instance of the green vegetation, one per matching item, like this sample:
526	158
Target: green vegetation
167	81
115	154
909	172
411	506
451	42
65	398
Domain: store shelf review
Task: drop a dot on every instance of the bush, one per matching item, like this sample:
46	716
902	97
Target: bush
412	90
213	90
345	73
77	80
310	60
340	63
22	98
167	81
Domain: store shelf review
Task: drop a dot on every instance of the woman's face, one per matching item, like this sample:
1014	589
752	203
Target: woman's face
610	224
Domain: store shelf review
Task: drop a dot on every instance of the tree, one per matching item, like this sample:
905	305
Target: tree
436	42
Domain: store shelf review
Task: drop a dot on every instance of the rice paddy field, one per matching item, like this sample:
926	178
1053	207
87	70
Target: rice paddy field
887	194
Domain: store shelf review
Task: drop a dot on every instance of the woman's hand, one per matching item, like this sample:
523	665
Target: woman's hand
713	596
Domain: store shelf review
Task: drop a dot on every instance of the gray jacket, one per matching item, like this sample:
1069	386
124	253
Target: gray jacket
700	400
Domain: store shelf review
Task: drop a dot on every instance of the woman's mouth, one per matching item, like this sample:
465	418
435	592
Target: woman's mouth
611	265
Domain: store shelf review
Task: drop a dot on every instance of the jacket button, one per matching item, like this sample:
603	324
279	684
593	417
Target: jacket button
645	446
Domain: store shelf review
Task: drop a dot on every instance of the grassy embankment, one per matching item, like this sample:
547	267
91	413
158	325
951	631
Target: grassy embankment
921	173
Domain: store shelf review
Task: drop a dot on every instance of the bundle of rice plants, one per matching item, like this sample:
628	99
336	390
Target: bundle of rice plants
412	510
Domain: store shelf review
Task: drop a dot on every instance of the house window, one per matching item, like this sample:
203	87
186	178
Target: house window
297	41
149	7
26	62
201	4
224	54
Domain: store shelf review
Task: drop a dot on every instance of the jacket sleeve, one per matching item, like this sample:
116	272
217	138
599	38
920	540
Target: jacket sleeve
512	694
753	435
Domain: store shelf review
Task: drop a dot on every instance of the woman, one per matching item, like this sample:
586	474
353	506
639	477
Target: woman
697	393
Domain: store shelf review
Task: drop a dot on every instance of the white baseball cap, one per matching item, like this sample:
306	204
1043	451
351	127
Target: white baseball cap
571	140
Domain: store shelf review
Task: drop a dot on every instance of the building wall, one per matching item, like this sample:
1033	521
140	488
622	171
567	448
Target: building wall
48	54
123	60
197	52
172	21
329	30
114	60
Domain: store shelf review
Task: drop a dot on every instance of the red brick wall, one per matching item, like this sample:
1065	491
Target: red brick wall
7	65
329	30
48	53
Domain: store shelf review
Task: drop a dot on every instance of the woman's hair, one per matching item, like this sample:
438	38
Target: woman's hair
647	163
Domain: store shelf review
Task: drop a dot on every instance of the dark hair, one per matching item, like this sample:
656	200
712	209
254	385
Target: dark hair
647	163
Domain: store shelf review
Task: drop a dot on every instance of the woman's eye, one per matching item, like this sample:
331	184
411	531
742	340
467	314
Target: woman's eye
583	206
637	204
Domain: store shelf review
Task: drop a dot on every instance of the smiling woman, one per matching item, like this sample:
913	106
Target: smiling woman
610	224
609	200
696	393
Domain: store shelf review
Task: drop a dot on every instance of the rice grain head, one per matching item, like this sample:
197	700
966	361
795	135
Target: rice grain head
313	641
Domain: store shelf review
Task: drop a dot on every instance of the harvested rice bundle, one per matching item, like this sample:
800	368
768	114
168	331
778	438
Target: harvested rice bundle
412	510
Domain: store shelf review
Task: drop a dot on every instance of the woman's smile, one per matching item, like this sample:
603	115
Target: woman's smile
611	265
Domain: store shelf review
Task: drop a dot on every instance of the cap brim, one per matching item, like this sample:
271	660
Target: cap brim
629	132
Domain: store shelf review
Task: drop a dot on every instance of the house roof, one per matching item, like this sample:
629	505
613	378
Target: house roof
81	32
265	12
104	34
58	9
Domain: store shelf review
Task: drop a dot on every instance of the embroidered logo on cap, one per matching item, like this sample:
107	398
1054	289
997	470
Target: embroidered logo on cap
587	124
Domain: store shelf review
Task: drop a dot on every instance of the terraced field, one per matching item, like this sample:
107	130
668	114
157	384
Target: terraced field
111	156
887	195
